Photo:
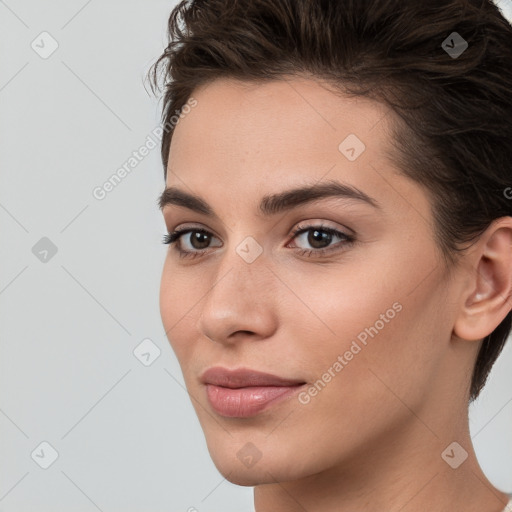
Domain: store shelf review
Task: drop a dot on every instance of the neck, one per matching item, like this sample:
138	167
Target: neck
405	472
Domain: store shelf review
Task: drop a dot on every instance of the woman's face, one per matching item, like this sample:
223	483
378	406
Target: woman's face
365	324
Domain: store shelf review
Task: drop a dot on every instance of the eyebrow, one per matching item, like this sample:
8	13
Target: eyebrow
272	204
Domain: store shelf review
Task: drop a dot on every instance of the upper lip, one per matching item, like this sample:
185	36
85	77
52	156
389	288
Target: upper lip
244	377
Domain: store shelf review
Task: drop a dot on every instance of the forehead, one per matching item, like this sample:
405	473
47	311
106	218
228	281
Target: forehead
291	111
244	140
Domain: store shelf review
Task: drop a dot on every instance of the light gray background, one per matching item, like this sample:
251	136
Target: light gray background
126	434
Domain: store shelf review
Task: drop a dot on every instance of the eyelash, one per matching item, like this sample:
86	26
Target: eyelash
171	238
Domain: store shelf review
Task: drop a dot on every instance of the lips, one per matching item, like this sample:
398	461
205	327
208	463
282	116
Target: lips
244	393
242	378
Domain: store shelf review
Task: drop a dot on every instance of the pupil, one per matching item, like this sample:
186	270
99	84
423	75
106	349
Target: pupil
197	237
315	238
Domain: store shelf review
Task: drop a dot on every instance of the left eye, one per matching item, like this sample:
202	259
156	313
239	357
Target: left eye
320	237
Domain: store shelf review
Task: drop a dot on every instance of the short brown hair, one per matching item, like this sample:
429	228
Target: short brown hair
453	129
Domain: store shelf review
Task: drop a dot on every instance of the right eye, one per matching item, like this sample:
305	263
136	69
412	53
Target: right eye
200	237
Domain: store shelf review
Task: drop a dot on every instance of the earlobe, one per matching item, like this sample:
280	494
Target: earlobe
489	299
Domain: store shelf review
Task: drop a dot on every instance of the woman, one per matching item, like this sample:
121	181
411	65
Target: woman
339	277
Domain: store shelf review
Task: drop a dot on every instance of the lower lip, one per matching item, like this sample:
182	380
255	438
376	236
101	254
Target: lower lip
246	402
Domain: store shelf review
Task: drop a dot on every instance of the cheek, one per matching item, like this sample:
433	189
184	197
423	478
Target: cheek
179	305
168	297
341	304
370	319
379	357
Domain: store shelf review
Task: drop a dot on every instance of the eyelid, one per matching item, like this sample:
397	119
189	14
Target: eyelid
316	223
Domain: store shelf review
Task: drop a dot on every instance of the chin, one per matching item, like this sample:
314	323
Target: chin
246	477
249	477
243	464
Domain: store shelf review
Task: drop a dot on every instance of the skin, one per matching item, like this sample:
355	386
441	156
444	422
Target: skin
372	438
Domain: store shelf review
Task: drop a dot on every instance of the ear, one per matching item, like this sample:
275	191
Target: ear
488	297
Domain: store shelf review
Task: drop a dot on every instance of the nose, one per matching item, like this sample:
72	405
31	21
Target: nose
240	302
